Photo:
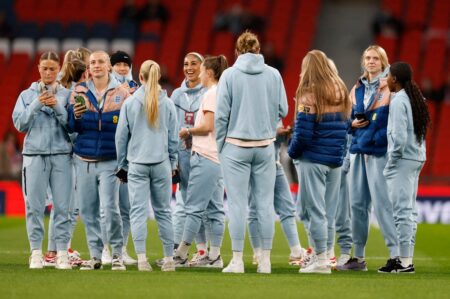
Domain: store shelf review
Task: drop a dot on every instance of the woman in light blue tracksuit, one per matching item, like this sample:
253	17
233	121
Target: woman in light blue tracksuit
40	111
408	123
319	143
187	100
284	207
370	98
251	100
121	64
146	142
205	190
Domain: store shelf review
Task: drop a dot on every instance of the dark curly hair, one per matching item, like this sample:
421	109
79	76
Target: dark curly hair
421	116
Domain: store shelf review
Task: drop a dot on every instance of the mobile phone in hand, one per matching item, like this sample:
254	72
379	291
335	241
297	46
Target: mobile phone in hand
361	116
80	100
122	174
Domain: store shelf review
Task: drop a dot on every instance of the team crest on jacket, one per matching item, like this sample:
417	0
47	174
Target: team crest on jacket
374	117
117	99
115	119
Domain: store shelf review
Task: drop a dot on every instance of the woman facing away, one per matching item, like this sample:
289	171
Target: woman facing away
319	142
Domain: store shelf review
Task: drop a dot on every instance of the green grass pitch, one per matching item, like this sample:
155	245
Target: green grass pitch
432	278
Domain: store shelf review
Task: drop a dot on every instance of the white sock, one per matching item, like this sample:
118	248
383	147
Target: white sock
36	252
406	261
201	248
345	256
330	253
237	256
168	259
322	258
214	253
142	257
257	251
61	252
265	256
183	250
296	251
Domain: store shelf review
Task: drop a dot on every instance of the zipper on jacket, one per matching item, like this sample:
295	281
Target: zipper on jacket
25	180
100	120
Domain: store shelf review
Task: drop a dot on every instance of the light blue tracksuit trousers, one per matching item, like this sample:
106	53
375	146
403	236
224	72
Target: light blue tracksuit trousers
367	185
303	215
319	188
284	207
179	215
343	216
204	197
124	207
402	183
97	185
243	167
39	172
73	214
152	181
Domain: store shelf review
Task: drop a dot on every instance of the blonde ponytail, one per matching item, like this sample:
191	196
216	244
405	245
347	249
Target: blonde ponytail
151	73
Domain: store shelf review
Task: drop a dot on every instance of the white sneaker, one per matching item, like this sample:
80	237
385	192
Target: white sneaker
62	261
314	267
106	256
117	264
36	260
168	266
206	262
264	267
333	262
256	259
234	267
144	266
92	264
127	259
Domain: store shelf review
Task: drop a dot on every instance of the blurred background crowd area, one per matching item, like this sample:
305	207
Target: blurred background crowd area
415	31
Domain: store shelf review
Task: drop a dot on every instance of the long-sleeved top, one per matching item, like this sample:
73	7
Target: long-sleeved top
251	99
97	126
402	143
45	127
137	141
372	99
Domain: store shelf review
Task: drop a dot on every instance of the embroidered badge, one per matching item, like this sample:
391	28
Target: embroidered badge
117	99
374	117
303	108
115	119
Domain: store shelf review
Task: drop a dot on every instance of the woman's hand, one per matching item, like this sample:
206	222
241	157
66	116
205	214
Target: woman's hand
357	124
79	110
184	133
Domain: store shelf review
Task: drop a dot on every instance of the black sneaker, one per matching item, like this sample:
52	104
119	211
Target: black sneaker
392	266
410	269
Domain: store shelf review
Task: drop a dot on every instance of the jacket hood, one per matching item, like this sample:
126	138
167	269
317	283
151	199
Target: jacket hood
185	88
382	75
250	63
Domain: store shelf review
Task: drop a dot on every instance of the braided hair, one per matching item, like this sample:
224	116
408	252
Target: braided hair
421	116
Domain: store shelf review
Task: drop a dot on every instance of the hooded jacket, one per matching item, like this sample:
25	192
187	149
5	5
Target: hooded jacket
45	127
187	102
371	140
137	141
251	100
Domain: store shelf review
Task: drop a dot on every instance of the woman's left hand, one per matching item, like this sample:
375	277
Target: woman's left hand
51	102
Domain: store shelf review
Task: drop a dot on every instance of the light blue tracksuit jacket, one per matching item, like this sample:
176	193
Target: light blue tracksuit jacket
149	154
251	100
47	162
